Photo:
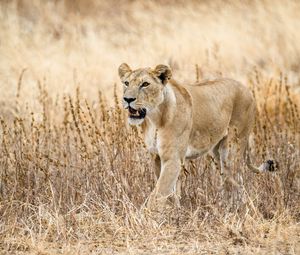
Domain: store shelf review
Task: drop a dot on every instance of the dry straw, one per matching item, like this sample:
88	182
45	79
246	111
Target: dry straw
90	165
74	176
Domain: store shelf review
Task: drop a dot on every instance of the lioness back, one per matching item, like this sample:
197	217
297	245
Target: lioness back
217	105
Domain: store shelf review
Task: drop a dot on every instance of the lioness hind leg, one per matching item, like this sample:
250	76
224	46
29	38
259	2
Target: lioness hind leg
220	152
222	149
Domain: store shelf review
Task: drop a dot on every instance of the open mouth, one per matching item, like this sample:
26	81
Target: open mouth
137	114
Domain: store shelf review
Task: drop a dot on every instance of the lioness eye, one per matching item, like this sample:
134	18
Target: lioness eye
126	83
145	84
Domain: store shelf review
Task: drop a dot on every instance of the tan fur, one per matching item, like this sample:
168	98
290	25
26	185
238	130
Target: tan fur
187	121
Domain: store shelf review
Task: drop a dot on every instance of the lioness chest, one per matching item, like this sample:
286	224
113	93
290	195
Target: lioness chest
150	138
152	141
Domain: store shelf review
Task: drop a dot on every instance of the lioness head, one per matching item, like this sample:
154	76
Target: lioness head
143	90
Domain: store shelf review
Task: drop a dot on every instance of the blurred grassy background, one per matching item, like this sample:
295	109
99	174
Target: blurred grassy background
82	42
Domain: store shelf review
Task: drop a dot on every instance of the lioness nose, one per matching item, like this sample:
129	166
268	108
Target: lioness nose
129	99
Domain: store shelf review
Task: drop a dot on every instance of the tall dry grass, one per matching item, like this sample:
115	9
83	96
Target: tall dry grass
73	175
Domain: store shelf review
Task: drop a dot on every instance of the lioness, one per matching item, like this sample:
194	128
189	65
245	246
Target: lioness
186	121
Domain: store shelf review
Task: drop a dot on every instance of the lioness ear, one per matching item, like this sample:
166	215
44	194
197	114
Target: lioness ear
123	69
163	73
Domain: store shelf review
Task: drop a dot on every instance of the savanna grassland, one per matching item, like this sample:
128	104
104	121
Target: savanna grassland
74	176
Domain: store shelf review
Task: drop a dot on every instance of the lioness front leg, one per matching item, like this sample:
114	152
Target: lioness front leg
166	183
157	166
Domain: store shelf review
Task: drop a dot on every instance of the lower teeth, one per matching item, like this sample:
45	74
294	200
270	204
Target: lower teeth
137	114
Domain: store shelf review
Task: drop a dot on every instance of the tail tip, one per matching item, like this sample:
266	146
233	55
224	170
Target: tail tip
271	165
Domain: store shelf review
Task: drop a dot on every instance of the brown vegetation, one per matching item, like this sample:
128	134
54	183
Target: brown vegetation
74	175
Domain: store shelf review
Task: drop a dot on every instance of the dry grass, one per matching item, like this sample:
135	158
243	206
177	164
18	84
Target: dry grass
73	176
